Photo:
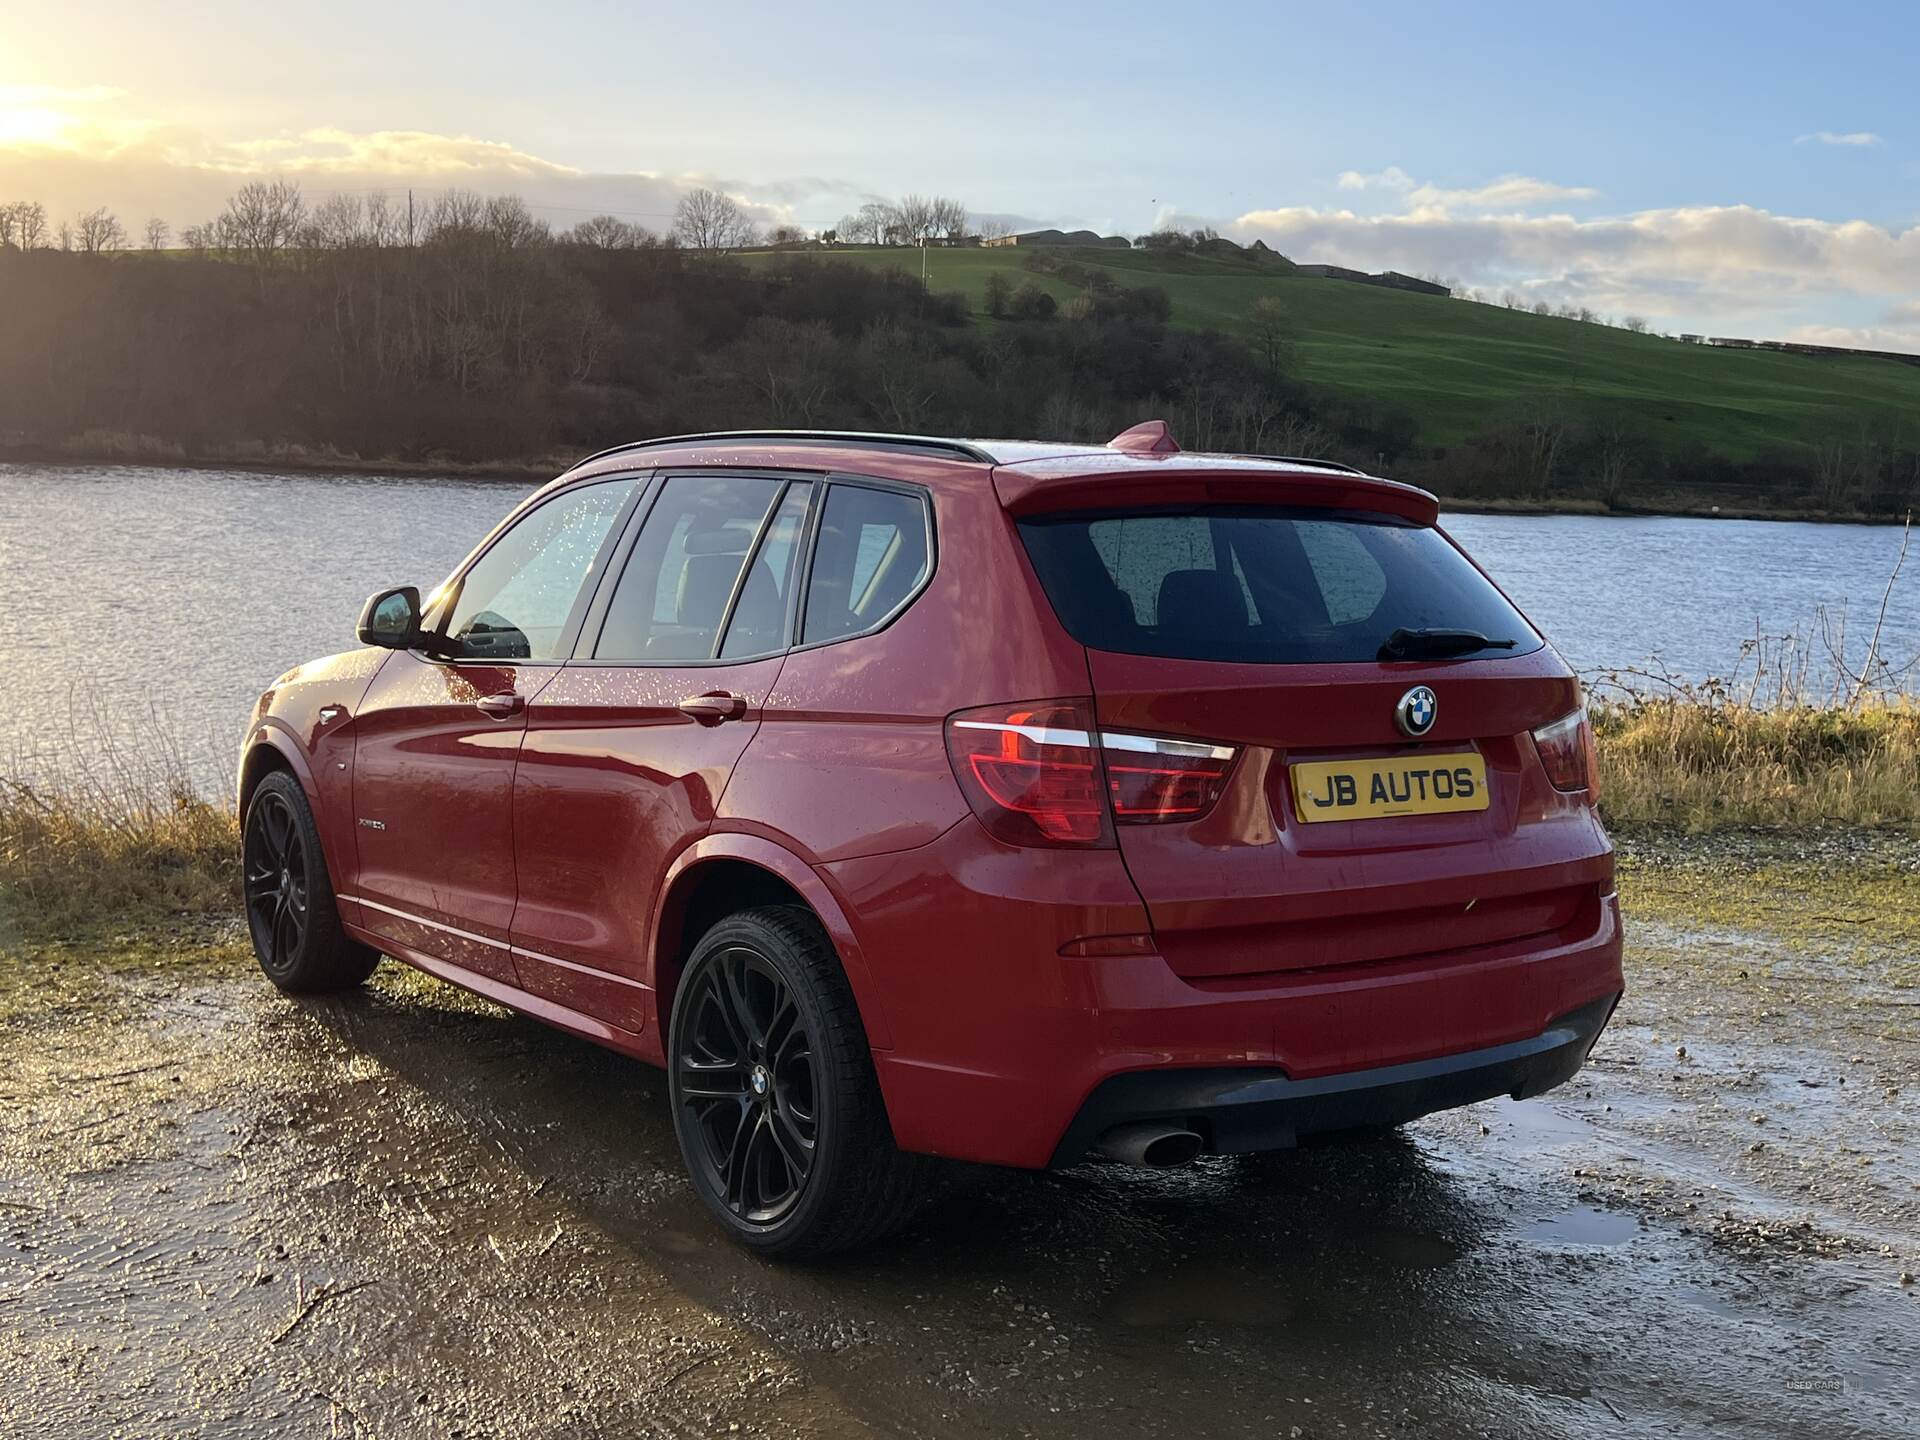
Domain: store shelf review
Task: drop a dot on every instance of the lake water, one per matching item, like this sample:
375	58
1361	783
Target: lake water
138	599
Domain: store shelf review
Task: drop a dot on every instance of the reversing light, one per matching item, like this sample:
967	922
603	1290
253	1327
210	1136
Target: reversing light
1152	779
1567	754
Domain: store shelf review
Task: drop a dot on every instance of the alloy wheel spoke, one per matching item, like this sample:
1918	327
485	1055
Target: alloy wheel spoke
712	1079
740	1155
736	978
717	1000
786	1013
795	1148
279	827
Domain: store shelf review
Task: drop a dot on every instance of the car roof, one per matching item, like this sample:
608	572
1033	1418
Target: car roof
1025	465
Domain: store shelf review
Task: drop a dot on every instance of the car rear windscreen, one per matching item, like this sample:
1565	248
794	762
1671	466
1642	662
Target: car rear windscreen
1274	586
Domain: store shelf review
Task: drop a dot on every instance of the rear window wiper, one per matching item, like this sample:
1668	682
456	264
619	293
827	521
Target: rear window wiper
1406	644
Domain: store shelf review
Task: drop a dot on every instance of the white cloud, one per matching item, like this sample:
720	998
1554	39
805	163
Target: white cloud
1391	178
1509	192
1736	263
1829	137
137	168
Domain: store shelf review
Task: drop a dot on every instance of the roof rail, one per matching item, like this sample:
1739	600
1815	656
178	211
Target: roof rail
1314	464
953	449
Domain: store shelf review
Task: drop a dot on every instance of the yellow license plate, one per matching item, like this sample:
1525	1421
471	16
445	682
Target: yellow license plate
1375	789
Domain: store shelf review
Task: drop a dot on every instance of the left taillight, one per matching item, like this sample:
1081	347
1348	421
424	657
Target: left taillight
1567	754
1040	773
1031	773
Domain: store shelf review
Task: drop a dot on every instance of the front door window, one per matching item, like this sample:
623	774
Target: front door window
518	600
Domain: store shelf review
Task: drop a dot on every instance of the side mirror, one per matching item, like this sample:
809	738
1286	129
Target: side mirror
391	618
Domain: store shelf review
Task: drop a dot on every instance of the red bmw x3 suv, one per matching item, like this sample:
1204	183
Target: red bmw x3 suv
909	797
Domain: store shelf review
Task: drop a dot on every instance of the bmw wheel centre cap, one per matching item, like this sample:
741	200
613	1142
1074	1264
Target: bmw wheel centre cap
1416	711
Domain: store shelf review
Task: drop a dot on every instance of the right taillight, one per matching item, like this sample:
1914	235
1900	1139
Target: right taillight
1151	778
1566	754
1039	773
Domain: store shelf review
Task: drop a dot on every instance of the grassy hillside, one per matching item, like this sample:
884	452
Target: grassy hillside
1454	364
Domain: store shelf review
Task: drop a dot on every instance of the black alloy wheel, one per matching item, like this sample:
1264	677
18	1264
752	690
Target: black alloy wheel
773	1091
278	900
746	1076
291	916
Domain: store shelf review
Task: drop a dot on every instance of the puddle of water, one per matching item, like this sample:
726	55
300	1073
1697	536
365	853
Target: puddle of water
1583	1225
1196	1294
1409	1249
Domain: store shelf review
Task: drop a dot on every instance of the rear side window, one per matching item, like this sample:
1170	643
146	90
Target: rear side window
1262	585
872	556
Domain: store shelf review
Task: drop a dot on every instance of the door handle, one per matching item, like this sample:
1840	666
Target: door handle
714	707
501	706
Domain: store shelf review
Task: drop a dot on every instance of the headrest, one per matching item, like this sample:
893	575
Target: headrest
1201	600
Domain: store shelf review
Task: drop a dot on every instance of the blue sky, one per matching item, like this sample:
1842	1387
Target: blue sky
1747	168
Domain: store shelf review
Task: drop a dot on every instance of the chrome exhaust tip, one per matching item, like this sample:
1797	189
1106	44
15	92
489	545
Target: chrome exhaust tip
1150	1146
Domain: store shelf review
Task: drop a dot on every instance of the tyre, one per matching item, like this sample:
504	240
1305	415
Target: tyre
290	911
774	1096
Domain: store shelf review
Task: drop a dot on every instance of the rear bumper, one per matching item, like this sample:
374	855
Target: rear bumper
1236	1110
1002	1044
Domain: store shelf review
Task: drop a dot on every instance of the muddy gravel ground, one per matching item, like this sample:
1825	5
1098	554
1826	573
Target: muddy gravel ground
228	1213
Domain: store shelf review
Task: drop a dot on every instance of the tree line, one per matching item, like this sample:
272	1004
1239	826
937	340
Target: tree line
468	330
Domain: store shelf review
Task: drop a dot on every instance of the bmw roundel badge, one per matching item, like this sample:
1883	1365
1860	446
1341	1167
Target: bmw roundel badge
1416	711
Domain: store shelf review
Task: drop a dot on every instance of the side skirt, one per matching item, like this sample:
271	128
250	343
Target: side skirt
560	1017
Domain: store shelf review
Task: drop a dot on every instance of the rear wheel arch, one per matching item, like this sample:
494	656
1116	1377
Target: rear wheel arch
726	874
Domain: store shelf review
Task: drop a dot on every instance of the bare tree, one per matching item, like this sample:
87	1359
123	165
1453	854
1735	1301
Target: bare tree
29	224
1618	449
1273	332
157	233
1636	323
454	214
994	229
63	237
338	223
386	225
263	220
98	231
6	225
511	224
1836	466
865	226
949	218
608	232
1533	440
708	220
918	218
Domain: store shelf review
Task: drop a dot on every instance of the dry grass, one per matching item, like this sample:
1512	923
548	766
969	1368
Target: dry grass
1701	766
92	850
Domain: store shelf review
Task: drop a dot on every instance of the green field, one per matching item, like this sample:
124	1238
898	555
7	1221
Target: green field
1454	364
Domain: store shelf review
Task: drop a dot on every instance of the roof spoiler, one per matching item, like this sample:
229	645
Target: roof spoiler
1154	437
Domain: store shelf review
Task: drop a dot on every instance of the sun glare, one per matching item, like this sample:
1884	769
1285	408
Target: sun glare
33	125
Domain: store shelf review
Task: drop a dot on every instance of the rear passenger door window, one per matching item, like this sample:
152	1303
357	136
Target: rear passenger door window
689	572
873	554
